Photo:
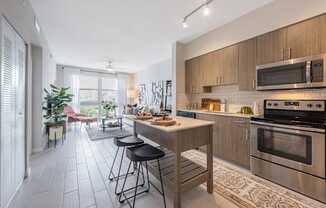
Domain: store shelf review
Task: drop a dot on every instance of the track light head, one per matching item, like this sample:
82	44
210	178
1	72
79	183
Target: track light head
184	23
206	10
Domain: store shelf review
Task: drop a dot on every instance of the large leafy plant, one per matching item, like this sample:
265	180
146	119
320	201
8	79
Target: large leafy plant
55	100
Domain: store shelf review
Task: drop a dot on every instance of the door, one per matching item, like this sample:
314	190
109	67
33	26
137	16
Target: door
193	76
207	117
207	70
229	65
20	110
247	65
188	77
304	38
270	47
240	142
290	147
12	108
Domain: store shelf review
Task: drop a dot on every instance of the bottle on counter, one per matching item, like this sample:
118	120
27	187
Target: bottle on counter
223	105
255	108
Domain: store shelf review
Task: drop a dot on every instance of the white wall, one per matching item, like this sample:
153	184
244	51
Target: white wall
21	15
270	17
156	72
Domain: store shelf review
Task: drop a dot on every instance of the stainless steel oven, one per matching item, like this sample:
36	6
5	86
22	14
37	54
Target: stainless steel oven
307	72
287	145
299	148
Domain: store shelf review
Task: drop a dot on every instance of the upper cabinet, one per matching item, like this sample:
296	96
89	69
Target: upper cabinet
271	47
216	68
193	76
236	64
208	69
304	38
247	65
228	65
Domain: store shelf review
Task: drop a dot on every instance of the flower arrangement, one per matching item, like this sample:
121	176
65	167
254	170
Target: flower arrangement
109	107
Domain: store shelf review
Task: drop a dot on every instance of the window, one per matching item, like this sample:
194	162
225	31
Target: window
95	89
88	93
109	89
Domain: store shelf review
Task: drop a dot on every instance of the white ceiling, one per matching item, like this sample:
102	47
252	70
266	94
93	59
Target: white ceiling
132	33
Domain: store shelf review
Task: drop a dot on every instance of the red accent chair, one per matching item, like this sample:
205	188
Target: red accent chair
74	117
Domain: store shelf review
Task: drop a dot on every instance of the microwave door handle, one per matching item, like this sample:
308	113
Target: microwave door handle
308	72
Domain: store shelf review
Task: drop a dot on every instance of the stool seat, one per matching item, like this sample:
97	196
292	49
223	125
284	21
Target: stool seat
144	152
127	141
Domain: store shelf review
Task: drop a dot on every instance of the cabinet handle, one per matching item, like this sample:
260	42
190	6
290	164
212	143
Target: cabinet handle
247	134
239	122
290	51
253	84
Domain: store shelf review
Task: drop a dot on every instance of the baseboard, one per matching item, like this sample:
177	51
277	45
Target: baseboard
39	149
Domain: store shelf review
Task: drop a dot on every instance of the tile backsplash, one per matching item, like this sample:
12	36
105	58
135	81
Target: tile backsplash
235	98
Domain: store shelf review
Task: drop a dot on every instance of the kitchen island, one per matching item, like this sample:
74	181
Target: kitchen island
180	173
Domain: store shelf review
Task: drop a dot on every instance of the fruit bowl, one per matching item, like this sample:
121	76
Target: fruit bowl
164	121
144	116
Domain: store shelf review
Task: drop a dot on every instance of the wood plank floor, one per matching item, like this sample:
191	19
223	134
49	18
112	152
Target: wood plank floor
74	175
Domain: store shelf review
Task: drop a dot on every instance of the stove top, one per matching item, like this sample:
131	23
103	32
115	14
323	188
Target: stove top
302	113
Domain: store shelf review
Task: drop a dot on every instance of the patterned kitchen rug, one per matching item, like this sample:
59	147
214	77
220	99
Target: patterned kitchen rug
248	191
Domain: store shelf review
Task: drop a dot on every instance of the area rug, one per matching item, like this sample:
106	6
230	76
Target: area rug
95	133
248	191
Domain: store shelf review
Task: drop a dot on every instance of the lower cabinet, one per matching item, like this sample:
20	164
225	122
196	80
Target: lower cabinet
230	138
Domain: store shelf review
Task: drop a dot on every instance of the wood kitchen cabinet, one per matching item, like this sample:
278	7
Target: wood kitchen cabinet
189	76
230	138
208	117
193	76
247	65
271	47
304	38
208	69
240	141
219	67
228	65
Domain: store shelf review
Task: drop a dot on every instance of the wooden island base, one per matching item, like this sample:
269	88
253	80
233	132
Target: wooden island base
192	174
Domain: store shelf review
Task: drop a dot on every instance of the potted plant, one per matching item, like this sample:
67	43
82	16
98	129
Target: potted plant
56	99
109	107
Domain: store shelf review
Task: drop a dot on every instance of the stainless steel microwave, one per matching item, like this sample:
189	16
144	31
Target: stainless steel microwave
307	72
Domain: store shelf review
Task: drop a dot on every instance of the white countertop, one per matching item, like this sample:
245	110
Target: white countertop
182	124
218	113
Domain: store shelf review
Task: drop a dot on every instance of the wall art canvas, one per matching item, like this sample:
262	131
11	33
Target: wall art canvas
157	92
142	95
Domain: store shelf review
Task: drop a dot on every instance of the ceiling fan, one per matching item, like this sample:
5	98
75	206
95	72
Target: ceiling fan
109	66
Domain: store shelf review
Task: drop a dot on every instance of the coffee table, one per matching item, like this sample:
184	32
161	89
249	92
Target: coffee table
118	119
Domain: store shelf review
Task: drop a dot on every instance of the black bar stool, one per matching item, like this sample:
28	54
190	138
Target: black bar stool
142	154
123	142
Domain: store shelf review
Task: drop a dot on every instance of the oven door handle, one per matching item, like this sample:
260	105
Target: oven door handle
296	128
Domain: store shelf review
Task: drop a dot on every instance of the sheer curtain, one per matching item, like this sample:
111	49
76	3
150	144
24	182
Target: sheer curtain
71	80
122	92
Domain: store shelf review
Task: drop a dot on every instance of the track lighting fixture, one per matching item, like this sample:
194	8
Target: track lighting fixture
206	11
